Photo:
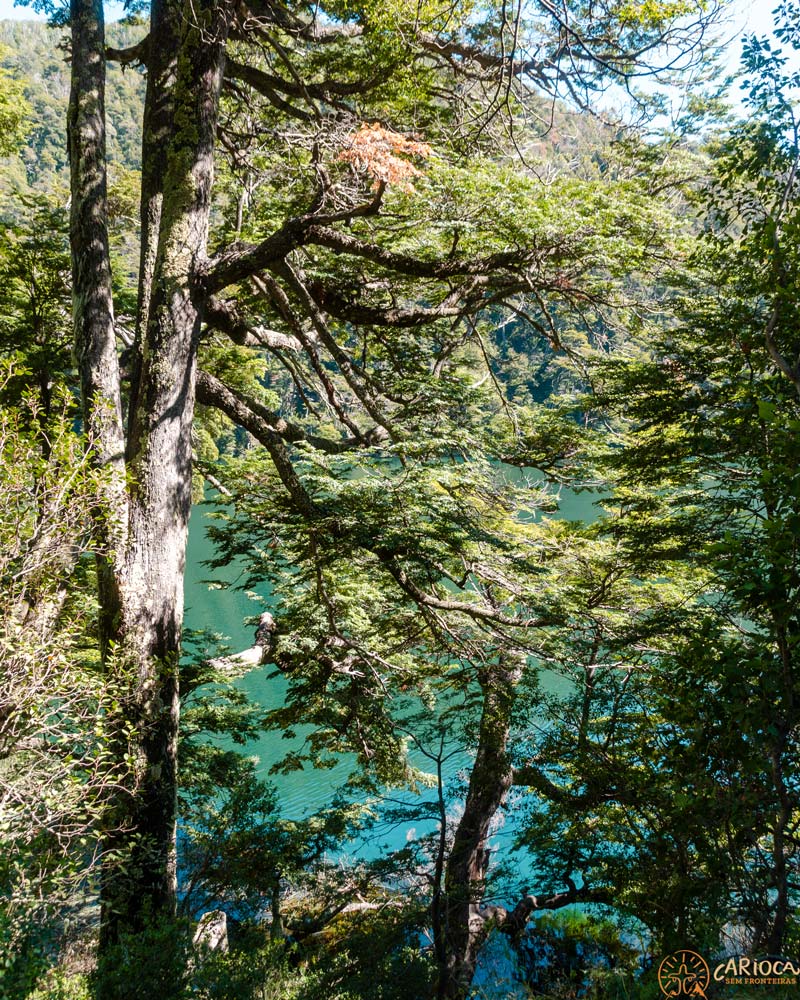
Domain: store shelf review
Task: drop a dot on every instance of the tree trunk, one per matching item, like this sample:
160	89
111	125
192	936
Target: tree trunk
93	311
466	926
162	55
438	898
159	450
143	550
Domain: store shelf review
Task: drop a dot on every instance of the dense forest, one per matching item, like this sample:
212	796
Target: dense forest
467	336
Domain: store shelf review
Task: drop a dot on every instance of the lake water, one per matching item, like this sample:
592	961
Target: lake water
304	792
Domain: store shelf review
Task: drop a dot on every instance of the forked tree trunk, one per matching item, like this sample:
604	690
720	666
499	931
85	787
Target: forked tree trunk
147	514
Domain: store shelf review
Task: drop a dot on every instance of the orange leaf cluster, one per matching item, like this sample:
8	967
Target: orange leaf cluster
379	152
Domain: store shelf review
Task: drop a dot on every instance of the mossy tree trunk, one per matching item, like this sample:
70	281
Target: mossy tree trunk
145	520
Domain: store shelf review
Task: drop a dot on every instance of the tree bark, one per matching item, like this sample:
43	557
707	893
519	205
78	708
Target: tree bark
92	303
162	53
144	521
159	451
466	925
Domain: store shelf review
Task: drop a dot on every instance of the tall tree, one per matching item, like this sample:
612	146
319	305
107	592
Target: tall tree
348	295
708	494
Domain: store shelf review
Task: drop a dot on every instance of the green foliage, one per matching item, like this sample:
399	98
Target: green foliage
573	953
377	515
153	962
15	111
701	791
35	304
60	985
372	953
254	969
212	707
237	848
33	59
55	765
405	570
402	571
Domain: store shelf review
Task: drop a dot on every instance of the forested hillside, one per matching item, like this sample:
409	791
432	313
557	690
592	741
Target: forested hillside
487	396
36	55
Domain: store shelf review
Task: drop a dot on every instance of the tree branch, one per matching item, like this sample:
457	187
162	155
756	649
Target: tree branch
450	267
481	612
137	53
530	776
352	375
241	260
223	316
469	53
260	82
268	83
269	287
212	392
516	920
307	30
351	311
264	424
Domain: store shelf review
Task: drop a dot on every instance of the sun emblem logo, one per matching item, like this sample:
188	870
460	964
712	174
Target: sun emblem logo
684	974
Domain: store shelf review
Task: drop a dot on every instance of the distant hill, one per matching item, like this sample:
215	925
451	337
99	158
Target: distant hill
36	55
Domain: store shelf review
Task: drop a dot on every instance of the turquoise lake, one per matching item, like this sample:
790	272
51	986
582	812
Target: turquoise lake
303	792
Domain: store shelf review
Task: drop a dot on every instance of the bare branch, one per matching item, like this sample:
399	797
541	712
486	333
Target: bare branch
264	423
135	54
223	316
